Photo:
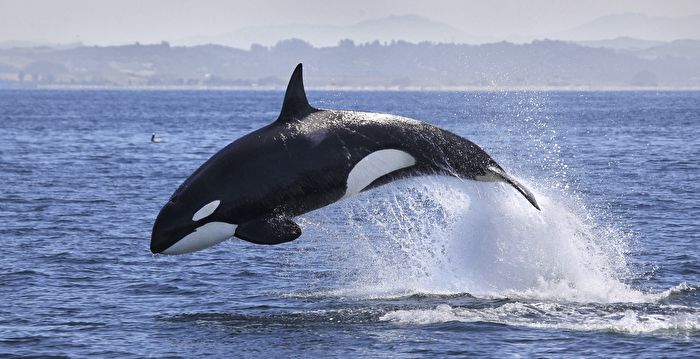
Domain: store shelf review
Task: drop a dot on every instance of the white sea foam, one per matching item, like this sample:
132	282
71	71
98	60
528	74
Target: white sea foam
554	316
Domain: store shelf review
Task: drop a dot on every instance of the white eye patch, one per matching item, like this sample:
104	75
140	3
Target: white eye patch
206	210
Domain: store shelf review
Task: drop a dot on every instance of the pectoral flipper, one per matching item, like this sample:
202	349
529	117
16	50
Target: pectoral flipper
269	230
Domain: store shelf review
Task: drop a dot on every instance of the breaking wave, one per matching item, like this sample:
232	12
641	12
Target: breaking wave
558	316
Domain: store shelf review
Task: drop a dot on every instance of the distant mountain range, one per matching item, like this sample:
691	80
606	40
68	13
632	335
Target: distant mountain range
624	28
634	26
618	31
411	28
395	65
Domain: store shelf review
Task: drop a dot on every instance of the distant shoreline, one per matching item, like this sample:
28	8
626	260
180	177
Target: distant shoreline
592	88
397	66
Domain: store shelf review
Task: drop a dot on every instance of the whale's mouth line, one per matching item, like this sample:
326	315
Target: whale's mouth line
202	237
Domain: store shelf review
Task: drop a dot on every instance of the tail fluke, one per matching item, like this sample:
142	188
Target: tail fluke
510	180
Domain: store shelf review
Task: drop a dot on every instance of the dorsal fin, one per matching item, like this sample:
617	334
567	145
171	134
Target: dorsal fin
295	105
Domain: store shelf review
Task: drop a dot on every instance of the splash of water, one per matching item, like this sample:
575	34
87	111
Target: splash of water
564	267
442	235
449	236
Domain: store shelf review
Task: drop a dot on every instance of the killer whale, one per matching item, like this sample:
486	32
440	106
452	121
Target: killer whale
307	159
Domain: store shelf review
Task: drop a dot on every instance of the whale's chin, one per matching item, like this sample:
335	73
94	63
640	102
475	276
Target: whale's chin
203	237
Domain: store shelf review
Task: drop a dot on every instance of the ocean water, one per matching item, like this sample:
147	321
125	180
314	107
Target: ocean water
422	267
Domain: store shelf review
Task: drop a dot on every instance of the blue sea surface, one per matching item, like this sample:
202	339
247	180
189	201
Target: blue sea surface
427	266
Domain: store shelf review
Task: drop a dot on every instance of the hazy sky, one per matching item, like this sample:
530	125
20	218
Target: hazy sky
126	21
